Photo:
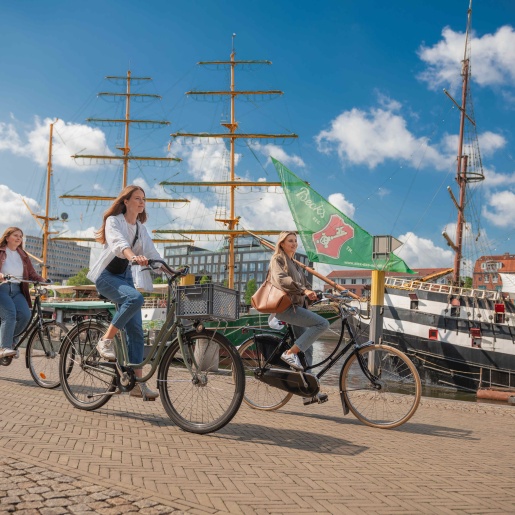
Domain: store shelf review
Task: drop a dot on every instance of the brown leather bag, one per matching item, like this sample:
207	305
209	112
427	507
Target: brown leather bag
269	299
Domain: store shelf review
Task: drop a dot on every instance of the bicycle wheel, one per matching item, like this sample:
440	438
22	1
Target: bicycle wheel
394	397
259	395
43	353
207	398
87	381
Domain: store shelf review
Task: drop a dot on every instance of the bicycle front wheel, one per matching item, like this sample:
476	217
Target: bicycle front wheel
87	381
43	350
259	395
202	389
391	396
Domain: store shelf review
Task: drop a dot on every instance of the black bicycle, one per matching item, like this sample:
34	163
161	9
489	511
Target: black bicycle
44	340
199	373
378	383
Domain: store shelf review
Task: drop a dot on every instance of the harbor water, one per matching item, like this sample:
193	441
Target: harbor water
324	347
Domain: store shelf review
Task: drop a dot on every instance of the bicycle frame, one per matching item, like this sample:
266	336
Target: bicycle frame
334	356
159	346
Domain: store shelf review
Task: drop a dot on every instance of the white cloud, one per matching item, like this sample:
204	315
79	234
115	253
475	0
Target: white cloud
370	138
69	138
339	201
500	210
494	179
493	58
420	252
14	212
207	160
278	153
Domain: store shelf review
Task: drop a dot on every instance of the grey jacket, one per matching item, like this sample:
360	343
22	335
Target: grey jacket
287	276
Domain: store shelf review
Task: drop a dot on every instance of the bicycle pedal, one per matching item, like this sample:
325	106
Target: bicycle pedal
149	399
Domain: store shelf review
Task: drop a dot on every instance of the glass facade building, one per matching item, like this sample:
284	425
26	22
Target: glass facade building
251	262
65	258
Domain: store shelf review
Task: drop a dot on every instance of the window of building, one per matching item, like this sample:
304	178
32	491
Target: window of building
494	278
353	281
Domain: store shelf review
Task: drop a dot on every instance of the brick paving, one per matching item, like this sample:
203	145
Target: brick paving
452	457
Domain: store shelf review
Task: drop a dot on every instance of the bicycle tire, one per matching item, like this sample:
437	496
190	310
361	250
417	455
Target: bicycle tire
209	400
86	382
43	350
398	397
259	395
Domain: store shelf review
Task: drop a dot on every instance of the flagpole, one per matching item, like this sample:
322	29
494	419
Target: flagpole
339	287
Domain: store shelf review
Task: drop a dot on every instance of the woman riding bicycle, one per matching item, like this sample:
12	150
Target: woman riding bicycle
286	275
126	244
15	302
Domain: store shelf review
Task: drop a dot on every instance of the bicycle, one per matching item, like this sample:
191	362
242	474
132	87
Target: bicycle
44	342
378	383
200	375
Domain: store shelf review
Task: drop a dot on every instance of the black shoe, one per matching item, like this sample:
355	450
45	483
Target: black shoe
319	398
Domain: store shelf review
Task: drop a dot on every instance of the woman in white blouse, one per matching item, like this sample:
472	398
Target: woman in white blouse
15	302
116	275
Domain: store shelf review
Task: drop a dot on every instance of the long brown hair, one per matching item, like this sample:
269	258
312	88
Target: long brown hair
117	207
7	233
278	249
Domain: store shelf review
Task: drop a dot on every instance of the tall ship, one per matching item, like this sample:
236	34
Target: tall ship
223	223
457	336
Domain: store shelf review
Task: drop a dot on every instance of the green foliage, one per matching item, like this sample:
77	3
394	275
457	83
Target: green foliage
205	279
80	279
250	289
159	280
467	282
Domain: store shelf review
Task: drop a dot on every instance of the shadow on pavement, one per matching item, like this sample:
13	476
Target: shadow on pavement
289	438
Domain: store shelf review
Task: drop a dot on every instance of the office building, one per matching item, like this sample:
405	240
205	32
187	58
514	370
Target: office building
65	258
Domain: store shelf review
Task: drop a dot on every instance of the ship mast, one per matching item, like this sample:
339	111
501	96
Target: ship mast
126	155
463	175
232	125
46	218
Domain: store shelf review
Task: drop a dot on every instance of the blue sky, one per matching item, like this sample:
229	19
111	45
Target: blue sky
363	87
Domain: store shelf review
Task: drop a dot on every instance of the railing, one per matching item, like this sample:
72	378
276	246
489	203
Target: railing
407	284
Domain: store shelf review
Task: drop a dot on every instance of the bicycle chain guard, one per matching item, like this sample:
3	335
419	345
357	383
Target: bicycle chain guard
126	382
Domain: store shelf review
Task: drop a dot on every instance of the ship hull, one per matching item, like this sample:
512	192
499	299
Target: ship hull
459	346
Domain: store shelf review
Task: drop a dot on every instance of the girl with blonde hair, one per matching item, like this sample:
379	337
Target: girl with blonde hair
286	275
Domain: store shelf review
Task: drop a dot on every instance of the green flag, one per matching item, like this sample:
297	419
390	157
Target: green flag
327	234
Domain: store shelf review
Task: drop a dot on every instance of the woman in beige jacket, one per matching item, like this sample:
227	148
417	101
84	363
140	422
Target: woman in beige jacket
286	275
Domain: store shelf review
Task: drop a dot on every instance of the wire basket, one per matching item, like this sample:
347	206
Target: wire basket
207	302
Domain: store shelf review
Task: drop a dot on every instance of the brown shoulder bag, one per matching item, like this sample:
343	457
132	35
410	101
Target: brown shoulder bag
269	299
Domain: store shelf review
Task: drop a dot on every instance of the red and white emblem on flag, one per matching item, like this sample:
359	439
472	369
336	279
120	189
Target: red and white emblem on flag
330	240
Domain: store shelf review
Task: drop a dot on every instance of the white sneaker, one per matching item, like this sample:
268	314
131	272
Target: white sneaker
7	353
106	349
292	360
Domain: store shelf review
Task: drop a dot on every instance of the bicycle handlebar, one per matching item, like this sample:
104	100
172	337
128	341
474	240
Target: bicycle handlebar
9	277
173	273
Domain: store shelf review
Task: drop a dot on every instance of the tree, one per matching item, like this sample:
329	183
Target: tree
467	282
250	289
204	279
79	279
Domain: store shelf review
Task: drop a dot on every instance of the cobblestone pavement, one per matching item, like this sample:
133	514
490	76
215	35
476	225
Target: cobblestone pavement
452	457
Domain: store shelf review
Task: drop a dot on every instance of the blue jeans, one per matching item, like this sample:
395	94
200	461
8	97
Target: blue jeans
14	313
119	289
307	327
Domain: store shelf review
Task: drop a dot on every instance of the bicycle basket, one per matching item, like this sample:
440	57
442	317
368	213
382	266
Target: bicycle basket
207	302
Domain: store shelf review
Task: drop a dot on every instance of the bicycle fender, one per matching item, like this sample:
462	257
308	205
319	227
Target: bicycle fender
344	404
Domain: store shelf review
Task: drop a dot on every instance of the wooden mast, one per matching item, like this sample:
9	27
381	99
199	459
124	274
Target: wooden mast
126	155
232	125
462	162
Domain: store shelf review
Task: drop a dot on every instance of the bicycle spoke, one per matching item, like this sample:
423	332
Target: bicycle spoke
43	354
207	397
387	393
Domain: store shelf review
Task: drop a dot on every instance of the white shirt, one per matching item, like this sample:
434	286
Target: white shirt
117	239
13	264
